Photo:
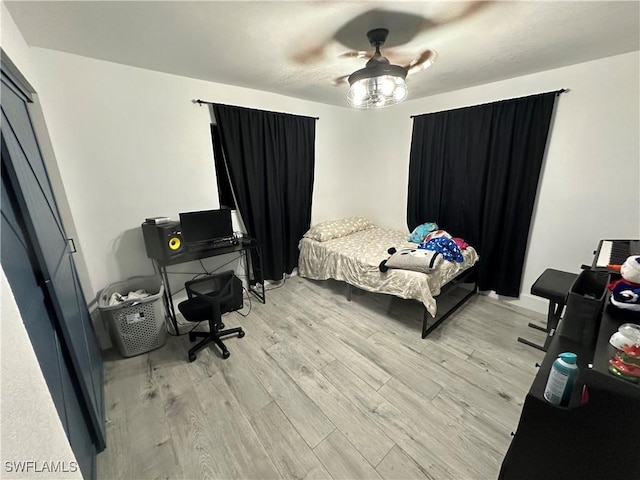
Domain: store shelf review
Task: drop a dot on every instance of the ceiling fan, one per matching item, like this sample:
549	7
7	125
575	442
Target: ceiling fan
406	25
368	90
381	83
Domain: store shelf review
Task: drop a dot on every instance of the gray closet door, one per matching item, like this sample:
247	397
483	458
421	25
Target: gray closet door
26	172
25	277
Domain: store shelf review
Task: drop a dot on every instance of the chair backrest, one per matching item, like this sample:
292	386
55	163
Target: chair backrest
222	292
217	287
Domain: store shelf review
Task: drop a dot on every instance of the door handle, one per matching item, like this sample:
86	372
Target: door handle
72	245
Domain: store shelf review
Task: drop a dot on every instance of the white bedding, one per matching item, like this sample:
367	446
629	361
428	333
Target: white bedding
355	259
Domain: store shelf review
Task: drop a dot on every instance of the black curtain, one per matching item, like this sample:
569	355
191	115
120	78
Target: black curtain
270	157
474	171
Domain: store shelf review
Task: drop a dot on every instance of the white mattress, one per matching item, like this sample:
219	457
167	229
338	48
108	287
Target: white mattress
355	259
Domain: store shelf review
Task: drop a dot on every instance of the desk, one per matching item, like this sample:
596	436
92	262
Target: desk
594	440
245	247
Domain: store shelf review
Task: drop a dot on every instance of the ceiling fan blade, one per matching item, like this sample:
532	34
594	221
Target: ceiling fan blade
310	56
422	61
468	10
404	26
338	81
416	64
356	54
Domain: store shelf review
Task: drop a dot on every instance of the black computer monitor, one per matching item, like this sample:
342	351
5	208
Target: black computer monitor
206	225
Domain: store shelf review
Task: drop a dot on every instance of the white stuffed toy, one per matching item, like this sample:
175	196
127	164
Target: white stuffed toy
625	293
416	259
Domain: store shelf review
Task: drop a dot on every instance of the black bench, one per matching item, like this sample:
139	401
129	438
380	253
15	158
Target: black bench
553	285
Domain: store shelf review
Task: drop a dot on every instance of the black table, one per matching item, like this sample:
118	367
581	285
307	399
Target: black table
595	436
245	248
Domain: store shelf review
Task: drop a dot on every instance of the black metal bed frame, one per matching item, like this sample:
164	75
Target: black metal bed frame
466	276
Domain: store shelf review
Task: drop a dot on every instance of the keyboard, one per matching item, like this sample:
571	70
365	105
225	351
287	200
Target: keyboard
212	244
225	242
615	252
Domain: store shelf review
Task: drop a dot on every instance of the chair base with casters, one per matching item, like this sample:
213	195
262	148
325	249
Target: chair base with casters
215	337
208	298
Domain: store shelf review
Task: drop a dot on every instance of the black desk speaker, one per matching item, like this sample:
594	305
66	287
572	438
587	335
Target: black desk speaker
163	241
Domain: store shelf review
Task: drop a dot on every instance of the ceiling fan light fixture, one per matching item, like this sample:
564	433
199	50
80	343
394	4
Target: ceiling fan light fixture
379	84
376	88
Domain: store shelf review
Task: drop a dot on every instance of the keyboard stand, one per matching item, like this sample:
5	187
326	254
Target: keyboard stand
553	285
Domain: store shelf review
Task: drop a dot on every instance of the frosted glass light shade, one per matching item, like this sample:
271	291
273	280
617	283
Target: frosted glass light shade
377	92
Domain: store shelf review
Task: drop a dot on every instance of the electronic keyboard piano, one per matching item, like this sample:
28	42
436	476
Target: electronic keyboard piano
614	252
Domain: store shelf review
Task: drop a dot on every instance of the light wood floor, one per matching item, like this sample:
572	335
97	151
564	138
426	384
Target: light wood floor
325	388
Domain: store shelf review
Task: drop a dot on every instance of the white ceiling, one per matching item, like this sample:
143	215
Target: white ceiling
290	47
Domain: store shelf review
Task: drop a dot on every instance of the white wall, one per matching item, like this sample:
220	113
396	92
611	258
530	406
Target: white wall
590	183
14	45
131	144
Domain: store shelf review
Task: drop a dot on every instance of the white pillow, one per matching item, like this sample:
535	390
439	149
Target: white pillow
338	228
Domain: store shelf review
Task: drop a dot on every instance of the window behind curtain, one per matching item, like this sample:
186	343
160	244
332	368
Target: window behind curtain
225	192
270	157
474	171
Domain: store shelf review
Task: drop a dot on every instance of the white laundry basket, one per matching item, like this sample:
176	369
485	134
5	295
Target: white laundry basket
135	326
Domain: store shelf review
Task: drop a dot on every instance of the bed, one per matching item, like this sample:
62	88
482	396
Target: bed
351	250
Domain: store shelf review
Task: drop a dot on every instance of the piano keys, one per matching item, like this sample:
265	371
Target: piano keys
614	252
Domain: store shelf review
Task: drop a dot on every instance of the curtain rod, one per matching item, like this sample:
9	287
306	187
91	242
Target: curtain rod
204	102
557	92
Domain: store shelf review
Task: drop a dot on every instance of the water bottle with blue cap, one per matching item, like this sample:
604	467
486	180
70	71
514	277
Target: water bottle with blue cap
561	380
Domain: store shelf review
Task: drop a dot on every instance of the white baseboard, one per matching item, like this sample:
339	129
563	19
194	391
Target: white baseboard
527	301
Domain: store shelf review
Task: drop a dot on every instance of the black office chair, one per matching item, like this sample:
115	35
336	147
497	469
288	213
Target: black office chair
208	298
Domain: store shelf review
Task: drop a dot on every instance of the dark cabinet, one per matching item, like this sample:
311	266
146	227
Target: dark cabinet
596	435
